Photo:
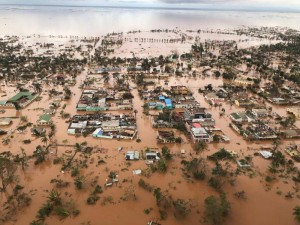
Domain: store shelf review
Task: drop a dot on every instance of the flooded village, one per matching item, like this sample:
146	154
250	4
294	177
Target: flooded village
165	126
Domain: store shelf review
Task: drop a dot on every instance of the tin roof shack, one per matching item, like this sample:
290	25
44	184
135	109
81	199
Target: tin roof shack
92	100
132	155
38	131
195	112
204	122
165	137
151	156
291	133
212	96
5	121
243	163
180	90
242	117
260	113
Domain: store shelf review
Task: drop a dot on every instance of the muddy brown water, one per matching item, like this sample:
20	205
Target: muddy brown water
261	207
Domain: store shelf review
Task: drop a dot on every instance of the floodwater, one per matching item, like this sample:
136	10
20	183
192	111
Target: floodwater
263	205
260	204
97	21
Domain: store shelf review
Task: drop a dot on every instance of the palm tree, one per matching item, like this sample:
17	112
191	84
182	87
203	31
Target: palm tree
78	148
44	139
296	213
37	87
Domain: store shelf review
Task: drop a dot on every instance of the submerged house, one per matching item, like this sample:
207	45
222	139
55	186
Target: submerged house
22	99
195	112
165	137
5	121
200	134
45	120
104	126
132	155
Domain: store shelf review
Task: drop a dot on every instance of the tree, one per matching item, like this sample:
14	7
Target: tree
296	213
78	148
197	167
8	170
181	209
40	154
216	209
22	159
166	153
200	146
44	139
162	166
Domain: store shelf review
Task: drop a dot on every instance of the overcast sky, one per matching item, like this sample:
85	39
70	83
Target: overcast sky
278	5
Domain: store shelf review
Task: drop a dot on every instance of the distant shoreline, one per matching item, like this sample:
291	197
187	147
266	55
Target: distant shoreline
156	8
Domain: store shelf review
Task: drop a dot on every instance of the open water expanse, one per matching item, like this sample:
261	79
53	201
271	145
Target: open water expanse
96	21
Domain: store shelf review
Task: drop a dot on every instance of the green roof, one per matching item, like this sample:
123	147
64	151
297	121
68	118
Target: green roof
45	117
20	95
2	102
235	116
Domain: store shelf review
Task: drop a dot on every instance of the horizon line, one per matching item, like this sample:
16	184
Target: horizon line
161	7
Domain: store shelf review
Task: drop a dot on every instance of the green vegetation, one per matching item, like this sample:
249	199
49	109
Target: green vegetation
216	209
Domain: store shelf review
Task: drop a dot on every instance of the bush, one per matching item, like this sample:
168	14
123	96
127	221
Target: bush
145	185
161	166
62	212
74	171
163	214
180	209
216	209
27	141
98	190
45	211
215	183
92	199
166	153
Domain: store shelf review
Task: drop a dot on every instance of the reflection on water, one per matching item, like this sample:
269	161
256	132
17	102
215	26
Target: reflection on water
98	21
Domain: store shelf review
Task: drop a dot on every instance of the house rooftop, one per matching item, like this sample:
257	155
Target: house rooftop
45	117
20	95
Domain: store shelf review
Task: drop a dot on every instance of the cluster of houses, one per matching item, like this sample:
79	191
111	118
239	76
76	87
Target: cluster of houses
104	99
175	98
103	125
251	126
285	95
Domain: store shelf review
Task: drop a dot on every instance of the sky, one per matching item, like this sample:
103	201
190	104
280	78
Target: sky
259	5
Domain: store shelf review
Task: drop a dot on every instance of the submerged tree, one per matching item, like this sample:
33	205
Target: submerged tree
296	213
216	209
8	170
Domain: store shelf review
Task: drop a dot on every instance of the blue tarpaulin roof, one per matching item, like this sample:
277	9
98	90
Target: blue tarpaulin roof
161	97
168	102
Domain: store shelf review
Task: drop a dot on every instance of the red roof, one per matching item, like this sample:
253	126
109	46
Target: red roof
196	125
